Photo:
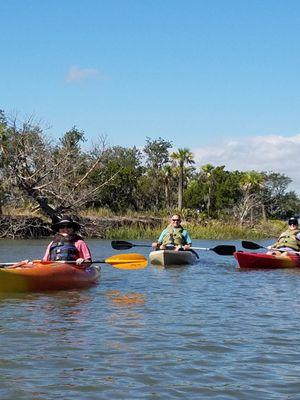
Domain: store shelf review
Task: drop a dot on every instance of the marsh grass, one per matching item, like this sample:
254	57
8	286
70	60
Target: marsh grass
215	230
197	227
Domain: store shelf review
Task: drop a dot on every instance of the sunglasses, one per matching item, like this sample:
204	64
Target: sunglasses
65	226
174	220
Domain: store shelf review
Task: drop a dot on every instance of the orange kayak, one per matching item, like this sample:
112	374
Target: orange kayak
38	276
260	260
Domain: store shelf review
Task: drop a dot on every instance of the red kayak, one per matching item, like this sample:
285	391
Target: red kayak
261	260
38	276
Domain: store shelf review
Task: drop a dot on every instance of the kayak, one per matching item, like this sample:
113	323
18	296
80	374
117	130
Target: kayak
260	260
170	257
39	276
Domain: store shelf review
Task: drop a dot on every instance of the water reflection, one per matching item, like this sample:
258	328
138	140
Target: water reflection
126	300
201	331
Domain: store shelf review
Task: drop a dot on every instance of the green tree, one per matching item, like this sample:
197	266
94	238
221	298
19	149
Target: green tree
157	153
181	158
157	157
251	185
119	193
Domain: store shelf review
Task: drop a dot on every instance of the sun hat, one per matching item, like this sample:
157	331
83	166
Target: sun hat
293	221
65	220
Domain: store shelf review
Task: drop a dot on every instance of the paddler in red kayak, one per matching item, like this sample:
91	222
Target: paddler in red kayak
67	245
288	241
174	235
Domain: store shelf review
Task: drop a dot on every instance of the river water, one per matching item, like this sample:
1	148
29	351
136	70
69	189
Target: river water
206	331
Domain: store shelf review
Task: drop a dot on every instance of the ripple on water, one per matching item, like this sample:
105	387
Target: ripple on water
207	331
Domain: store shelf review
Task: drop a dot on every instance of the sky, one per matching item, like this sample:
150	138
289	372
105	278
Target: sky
219	77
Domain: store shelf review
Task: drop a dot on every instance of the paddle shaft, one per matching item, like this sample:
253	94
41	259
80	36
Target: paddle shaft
120	261
256	246
221	249
51	262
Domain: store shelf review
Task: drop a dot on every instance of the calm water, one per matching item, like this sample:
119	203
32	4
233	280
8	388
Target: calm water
207	331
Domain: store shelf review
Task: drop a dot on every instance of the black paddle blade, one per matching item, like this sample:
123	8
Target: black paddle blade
251	245
224	250
121	245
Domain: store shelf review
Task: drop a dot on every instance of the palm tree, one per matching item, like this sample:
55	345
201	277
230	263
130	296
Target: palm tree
208	173
167	171
182	157
251	184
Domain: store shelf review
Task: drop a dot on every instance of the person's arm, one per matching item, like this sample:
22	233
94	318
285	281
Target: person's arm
162	235
47	253
187	239
84	252
160	239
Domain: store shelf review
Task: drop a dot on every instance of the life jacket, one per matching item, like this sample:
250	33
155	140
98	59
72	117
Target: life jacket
174	236
288	239
63	248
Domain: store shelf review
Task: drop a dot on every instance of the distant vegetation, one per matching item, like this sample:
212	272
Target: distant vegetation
47	177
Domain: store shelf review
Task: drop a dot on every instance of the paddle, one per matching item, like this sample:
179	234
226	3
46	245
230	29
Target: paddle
223	250
252	245
122	245
120	261
256	246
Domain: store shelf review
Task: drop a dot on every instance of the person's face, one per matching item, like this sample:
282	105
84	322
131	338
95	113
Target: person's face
66	229
175	220
292	227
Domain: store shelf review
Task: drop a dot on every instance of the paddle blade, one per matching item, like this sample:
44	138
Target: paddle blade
251	245
127	261
121	245
224	250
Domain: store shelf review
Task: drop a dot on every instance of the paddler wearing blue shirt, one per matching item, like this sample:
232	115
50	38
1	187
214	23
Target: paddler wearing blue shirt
173	235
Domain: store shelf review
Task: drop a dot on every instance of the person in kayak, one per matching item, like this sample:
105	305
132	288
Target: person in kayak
173	235
67	245
289	240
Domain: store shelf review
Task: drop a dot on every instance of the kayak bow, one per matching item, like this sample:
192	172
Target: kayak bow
261	260
171	257
54	276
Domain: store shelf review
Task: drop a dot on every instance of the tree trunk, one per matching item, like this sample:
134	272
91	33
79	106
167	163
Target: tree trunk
208	201
167	196
180	188
263	211
251	216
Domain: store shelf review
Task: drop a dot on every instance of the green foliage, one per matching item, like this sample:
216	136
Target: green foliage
157	154
155	182
121	179
71	140
124	165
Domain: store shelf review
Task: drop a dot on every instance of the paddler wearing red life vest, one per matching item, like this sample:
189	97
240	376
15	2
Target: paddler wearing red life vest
67	245
173	235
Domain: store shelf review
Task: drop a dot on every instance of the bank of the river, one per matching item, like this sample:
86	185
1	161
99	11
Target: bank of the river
143	227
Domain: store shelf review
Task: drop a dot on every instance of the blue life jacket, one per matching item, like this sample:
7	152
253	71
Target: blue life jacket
63	248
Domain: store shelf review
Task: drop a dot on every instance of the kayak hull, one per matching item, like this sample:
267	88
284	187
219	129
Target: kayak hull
260	260
172	258
51	276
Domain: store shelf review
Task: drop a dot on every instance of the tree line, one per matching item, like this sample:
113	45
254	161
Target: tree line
57	176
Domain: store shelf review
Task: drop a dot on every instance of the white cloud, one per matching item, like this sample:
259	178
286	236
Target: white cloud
260	153
76	74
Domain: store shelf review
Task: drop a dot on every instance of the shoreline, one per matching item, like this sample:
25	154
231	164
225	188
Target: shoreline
143	227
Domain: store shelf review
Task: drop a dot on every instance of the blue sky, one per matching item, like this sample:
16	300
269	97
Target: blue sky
219	77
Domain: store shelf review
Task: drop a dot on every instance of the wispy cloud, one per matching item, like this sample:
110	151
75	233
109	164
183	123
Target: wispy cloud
260	153
76	74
